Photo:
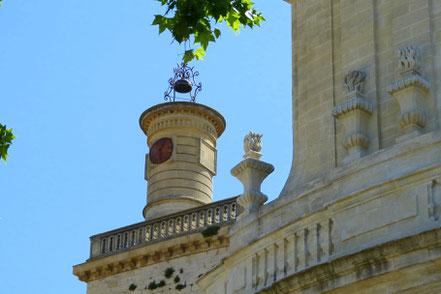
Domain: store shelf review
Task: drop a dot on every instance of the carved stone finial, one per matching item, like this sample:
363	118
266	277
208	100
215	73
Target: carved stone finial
354	81
251	172
354	114
411	93
409	62
252	144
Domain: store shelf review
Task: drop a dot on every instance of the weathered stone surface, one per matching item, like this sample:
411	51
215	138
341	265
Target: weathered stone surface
361	209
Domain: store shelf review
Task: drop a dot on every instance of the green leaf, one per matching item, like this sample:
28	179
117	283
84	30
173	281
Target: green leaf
203	38
192	20
200	52
6	138
217	33
188	56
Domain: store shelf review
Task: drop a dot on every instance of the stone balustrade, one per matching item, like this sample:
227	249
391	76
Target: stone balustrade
189	221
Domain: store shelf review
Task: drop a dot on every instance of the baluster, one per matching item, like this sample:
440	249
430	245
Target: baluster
194	217
186	223
118	242
225	213
155	231
217	215
111	244
233	210
126	240
140	234
202	219
163	229
178	225
133	238
210	217
103	246
170	227
148	233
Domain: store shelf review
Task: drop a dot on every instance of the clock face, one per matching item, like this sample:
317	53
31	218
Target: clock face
161	151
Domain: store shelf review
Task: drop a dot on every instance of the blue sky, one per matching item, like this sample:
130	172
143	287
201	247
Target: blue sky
75	76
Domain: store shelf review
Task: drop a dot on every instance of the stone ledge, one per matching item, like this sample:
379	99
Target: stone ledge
409	81
148	255
189	109
355	103
368	263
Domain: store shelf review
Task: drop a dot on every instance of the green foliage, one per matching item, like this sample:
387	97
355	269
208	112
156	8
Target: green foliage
153	285
196	20
161	284
1	1
210	231
6	138
132	287
177	279
179	287
169	272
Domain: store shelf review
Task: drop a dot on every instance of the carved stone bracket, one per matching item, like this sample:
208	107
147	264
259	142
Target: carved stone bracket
251	172
410	93
354	114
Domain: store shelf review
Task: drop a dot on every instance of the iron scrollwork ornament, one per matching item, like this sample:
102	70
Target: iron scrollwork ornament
183	82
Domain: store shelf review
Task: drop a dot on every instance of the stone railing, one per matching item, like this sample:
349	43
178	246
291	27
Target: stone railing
189	221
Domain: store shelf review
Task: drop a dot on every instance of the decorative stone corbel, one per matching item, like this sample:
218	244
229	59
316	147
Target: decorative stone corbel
410	92
354	114
251	172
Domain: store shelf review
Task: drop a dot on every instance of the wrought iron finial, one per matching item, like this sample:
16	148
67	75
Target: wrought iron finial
183	82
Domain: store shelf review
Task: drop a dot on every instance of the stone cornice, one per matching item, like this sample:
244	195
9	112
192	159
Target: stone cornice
148	255
151	119
252	163
355	103
377	257
409	81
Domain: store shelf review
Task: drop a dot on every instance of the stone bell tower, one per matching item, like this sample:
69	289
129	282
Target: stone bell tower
182	160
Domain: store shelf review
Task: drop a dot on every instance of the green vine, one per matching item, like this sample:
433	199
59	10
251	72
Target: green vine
132	287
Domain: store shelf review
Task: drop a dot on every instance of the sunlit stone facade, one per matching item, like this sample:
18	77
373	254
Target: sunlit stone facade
361	209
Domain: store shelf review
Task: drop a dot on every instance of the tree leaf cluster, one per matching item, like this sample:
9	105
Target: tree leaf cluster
197	20
210	231
6	138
